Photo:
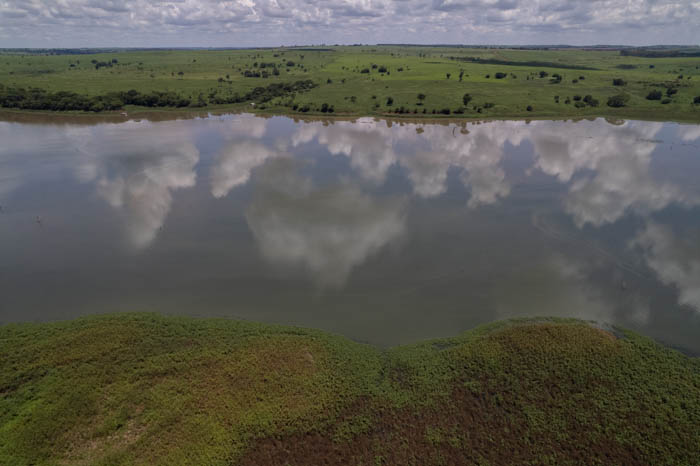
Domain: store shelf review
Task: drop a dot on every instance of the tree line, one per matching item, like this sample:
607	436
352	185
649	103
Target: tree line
41	99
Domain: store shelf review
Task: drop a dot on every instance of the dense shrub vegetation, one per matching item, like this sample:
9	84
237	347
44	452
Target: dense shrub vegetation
40	99
617	101
141	389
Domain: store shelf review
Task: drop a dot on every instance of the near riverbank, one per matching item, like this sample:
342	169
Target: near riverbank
148	389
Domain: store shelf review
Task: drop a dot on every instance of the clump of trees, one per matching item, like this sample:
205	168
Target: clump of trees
40	99
617	101
654	95
588	99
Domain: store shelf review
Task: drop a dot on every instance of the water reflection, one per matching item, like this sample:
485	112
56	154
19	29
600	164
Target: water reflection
385	232
326	230
135	170
674	258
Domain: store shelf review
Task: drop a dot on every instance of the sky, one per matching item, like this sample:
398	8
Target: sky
246	23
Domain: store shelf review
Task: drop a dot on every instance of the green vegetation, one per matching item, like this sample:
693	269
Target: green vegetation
358	80
145	389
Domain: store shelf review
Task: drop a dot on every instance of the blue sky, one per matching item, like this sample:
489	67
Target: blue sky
242	23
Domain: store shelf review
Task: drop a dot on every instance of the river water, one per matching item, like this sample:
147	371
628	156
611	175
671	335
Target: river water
387	233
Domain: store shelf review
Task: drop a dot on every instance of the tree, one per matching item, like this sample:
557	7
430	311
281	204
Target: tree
619	82
696	100
500	75
529	108
466	99
654	95
389	101
448	75
619	100
421	97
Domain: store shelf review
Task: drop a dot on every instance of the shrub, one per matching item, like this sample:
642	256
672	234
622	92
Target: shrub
577	98
619	82
364	70
579	104
500	75
466	98
619	100
489	105
696	100
666	101
654	95
382	69
529	108
445	111
590	100
389	101
671	91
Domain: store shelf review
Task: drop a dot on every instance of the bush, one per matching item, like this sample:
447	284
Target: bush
696	100
501	75
590	100
619	82
382	69
529	108
577	98
489	105
364	70
466	98
617	101
445	111
666	101
579	104
389	101
671	91
654	95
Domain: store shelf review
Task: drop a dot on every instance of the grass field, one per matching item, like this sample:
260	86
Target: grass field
145	389
502	83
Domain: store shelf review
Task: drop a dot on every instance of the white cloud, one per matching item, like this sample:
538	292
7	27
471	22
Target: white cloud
248	22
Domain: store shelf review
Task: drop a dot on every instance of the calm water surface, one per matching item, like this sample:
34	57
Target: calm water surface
385	233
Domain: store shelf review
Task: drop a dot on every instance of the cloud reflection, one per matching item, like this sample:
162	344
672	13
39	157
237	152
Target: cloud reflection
327	230
138	167
676	260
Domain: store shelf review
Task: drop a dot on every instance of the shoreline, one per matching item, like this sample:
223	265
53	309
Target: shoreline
159	115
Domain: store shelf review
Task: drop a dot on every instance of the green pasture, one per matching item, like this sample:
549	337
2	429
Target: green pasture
409	71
